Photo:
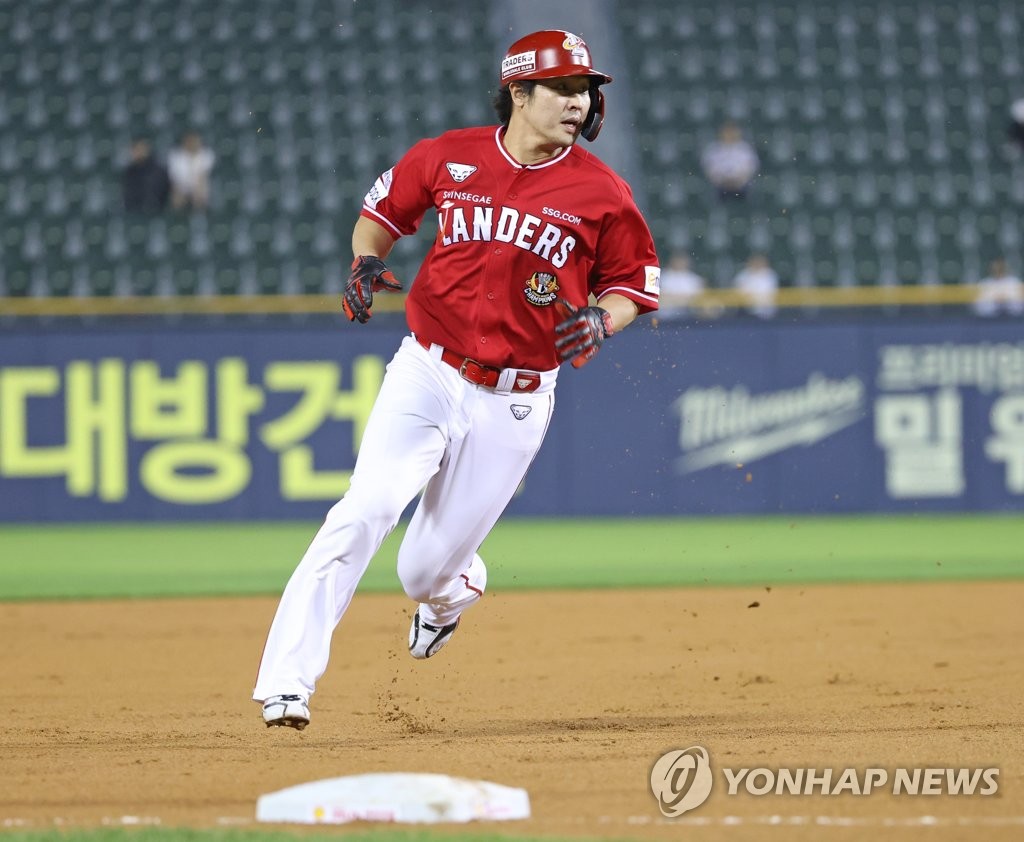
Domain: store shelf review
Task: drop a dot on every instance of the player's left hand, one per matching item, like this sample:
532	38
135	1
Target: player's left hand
369	275
579	335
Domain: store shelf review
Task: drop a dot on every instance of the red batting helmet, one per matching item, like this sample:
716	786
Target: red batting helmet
551	54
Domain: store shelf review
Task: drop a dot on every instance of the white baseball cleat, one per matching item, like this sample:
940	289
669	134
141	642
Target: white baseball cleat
289	710
426	640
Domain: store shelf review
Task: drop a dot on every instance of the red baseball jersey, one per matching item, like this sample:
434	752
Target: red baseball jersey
511	240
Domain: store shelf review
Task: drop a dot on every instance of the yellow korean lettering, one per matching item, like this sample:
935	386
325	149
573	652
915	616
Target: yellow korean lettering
356	404
96	429
94	457
318	383
196	471
321	399
225	472
171	407
236	401
300	480
17	459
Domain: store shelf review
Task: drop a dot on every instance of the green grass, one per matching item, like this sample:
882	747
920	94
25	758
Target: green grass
76	561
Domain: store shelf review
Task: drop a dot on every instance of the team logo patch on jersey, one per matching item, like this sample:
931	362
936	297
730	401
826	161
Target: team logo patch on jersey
520	411
652	279
460	172
542	289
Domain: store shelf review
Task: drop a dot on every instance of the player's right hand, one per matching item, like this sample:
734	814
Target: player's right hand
369	275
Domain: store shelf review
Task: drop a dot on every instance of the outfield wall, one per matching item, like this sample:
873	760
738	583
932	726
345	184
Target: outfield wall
261	418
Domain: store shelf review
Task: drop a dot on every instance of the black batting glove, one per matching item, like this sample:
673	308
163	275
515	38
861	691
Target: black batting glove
369	275
579	335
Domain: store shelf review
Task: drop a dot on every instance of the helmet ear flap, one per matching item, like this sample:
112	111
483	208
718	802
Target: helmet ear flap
595	119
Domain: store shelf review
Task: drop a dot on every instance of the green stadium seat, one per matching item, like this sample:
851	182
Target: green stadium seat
858	111
897	108
184	280
259	81
227	280
17	281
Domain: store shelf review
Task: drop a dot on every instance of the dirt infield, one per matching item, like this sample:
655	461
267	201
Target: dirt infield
139	708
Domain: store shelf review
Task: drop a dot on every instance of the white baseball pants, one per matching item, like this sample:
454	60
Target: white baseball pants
467	448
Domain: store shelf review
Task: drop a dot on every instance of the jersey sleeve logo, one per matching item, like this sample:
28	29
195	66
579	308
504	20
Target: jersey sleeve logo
460	172
379	191
652	279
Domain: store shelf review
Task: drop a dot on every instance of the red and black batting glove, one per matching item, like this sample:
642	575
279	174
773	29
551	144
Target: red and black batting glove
369	275
580	334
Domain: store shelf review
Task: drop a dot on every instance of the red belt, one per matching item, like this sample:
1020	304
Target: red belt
488	375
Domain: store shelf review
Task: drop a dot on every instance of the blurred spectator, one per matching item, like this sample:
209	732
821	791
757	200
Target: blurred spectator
144	182
1001	291
1016	130
759	283
730	163
190	165
679	286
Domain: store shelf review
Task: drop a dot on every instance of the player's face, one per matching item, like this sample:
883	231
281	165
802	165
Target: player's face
557	108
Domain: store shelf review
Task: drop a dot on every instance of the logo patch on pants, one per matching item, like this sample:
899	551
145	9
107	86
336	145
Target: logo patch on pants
520	411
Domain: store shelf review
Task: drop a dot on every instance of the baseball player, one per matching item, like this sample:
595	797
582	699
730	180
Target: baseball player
529	227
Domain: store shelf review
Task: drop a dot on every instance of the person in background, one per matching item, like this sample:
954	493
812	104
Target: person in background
1000	293
680	285
145	186
759	284
1015	130
730	163
190	165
